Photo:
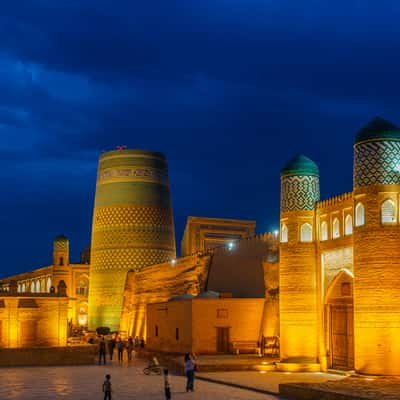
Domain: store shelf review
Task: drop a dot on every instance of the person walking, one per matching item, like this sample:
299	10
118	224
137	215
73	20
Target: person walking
120	346
189	369
102	350
129	348
107	387
111	347
137	342
167	385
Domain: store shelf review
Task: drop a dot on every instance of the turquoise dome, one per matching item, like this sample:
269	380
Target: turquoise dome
300	166
378	129
61	238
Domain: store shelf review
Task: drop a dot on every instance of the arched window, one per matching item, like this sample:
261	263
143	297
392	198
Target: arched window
19	288
82	287
324	231
37	286
335	228
306	233
388	212
348	225
48	285
23	288
284	234
360	214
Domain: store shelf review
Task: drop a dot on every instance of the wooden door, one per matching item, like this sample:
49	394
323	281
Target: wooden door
222	340
342	342
28	331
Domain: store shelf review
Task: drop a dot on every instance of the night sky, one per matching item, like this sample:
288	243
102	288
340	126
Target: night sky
228	90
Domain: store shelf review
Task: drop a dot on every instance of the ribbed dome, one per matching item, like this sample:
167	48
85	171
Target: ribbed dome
301	166
378	129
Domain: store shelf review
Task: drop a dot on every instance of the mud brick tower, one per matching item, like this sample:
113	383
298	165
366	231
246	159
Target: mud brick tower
297	271
132	227
377	248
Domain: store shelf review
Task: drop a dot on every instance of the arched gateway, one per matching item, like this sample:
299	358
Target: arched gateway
339	322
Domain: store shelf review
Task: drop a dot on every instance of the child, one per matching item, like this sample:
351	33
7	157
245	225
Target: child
107	387
167	385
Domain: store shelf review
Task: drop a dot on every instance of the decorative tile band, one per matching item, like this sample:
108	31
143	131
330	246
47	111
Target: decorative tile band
132	174
299	193
376	163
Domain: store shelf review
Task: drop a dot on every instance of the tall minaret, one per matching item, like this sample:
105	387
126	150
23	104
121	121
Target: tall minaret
132	227
376	237
298	261
61	251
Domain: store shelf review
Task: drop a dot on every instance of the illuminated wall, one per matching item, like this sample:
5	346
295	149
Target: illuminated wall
36	320
158	283
41	280
197	321
377	250
132	227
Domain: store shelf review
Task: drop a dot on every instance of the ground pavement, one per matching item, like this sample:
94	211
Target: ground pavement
128	381
267	381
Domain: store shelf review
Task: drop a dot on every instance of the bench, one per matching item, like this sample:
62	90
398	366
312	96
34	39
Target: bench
75	340
245	346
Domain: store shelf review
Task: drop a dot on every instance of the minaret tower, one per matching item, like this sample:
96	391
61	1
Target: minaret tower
298	263
61	251
61	270
132	227
376	237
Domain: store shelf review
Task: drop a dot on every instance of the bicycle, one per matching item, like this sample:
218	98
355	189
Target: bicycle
156	369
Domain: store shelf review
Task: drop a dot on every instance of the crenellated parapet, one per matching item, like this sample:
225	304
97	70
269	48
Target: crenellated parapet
335	201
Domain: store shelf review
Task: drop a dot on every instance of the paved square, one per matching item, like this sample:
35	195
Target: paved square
128	381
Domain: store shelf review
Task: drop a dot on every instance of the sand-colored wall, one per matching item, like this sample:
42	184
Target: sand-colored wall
242	316
37	320
159	283
198	320
168	317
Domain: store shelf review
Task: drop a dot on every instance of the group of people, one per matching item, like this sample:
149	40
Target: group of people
116	342
190	367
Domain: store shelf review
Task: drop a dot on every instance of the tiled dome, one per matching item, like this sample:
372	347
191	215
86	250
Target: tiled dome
300	166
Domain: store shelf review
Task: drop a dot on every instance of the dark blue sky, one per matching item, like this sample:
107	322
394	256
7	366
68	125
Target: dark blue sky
228	90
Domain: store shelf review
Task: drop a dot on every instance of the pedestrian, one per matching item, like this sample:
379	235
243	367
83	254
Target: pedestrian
102	350
129	348
167	385
111	346
120	346
189	368
141	343
107	387
137	342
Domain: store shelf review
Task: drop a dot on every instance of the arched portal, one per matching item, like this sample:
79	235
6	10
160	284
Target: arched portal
340	321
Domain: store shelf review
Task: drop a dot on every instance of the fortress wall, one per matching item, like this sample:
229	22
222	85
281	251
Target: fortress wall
220	270
336	207
158	283
38	320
